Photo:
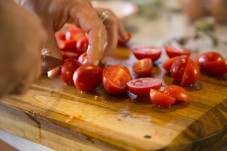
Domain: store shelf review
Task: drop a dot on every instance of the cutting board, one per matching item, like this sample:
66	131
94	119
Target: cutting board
126	122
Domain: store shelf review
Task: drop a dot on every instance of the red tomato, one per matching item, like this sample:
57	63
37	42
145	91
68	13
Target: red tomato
142	86
173	51
123	67
82	45
213	63
74	33
87	77
147	52
184	71
161	99
68	45
60	35
167	65
66	55
83	58
123	43
115	79
68	68
177	92
143	67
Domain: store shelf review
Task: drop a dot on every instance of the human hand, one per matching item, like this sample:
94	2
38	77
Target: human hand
55	13
20	48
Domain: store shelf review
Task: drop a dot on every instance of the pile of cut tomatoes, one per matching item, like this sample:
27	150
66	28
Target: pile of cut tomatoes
117	79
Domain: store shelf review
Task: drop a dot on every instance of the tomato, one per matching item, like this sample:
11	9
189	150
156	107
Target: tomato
68	45
123	67
123	43
167	65
161	99
184	71
173	51
83	58
66	55
142	86
87	77
177	92
74	33
147	52
143	67
60	35
67	70
115	79
82	45
212	62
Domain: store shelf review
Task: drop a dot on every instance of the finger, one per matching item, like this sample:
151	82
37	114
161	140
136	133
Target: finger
89	21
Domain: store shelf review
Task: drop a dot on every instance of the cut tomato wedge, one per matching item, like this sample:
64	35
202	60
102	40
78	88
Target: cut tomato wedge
161	99
177	92
174	51
167	65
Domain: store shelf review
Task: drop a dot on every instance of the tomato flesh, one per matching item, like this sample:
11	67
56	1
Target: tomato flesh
87	77
143	67
177	92
161	99
147	52
115	79
167	65
173	51
142	86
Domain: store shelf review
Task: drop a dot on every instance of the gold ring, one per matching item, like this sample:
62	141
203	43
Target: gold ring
105	14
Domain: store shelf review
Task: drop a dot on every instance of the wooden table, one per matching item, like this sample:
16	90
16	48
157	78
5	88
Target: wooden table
62	118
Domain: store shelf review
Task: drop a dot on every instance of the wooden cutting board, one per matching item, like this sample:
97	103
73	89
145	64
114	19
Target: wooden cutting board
121	122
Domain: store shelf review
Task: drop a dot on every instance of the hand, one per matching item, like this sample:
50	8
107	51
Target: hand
55	13
21	40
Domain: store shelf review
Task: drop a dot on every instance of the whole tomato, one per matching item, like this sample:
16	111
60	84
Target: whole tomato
67	70
87	77
185	71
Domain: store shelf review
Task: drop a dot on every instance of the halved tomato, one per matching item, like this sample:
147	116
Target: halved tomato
147	52
161	99
122	67
142	86
74	32
167	65
143	67
174	51
177	92
115	79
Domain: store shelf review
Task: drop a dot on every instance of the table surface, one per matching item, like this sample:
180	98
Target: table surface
60	117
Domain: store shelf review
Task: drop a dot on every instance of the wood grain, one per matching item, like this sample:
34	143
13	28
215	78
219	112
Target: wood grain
121	122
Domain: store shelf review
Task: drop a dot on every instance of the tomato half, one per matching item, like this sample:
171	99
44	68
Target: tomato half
67	70
115	79
143	67
177	92
82	45
142	86
123	67
161	99
60	35
123	43
68	45
87	77
213	63
174	51
74	33
167	65
147	52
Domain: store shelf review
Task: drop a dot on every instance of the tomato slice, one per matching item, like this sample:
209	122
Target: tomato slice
173	51
115	79
142	86
177	92
167	65
68	68
147	52
68	45
87	77
161	99
191	73
143	67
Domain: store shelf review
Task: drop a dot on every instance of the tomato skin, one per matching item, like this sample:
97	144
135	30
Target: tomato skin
143	67
122	43
68	45
177	92
147	52
167	65
60	35
178	68
67	55
87	77
173	51
67	70
115	79
191	73
74	33
82	45
161	99
83	58
213	63
142	86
